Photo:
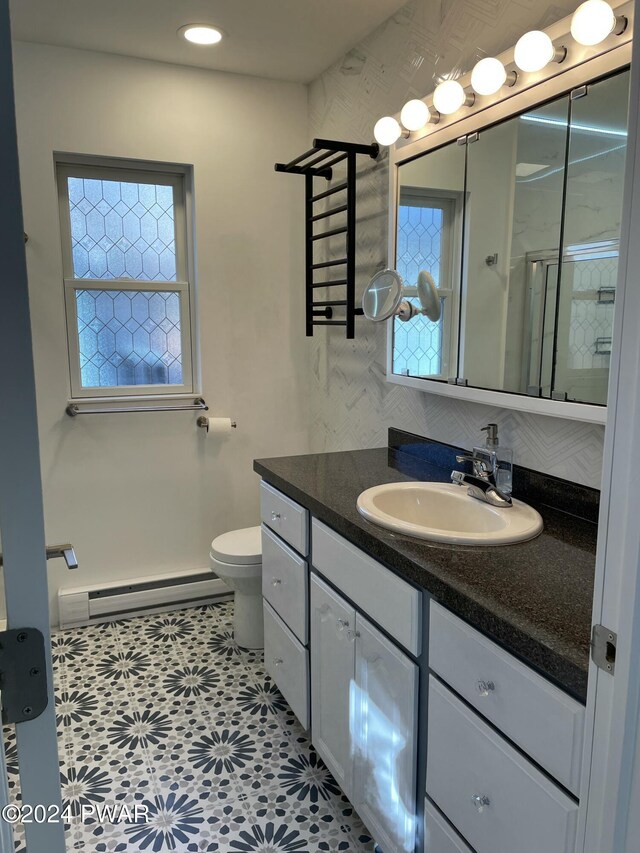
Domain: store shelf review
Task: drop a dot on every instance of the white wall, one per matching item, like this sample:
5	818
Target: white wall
139	494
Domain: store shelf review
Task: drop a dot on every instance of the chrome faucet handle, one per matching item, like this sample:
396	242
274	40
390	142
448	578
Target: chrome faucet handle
481	467
465	457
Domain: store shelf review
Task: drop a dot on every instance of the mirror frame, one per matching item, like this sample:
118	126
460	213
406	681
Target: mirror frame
588	64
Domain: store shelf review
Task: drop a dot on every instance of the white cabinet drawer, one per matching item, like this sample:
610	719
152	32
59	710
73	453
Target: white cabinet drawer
287	662
543	721
466	759
439	837
285	583
391	602
286	517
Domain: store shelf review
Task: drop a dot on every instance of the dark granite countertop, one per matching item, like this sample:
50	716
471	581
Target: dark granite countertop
534	597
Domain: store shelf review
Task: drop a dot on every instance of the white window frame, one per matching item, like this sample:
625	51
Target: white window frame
115	169
450	202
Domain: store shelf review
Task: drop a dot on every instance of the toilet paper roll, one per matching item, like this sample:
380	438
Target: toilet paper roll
219	426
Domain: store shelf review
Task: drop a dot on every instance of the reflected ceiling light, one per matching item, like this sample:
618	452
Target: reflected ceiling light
415	114
387	131
449	96
203	34
489	76
535	50
594	20
563	124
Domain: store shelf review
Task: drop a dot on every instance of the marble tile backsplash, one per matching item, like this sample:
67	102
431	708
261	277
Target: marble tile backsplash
352	404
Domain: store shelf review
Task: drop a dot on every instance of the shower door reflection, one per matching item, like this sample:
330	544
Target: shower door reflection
568	352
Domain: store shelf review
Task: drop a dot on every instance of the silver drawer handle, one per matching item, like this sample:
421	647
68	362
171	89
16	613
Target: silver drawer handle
275	516
276	582
353	635
342	624
278	661
480	801
486	687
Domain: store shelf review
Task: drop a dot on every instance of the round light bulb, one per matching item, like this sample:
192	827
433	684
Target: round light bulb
488	76
592	22
533	51
387	131
201	34
415	114
448	97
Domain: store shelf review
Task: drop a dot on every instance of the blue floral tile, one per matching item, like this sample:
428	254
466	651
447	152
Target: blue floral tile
165	712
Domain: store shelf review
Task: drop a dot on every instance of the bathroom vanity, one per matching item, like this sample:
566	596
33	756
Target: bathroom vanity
444	685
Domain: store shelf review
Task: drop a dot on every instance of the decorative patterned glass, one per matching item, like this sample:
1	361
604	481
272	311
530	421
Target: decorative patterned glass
591	311
121	229
418	343
129	337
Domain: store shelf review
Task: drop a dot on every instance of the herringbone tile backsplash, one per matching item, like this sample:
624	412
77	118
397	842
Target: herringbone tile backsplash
352	404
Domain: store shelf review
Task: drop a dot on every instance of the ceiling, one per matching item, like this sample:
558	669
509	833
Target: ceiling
292	40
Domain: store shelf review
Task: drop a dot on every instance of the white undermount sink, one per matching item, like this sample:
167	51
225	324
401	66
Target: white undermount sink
444	512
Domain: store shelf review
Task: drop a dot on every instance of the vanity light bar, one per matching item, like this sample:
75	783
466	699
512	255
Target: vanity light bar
593	22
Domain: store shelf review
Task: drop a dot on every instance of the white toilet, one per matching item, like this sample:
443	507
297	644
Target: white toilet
236	557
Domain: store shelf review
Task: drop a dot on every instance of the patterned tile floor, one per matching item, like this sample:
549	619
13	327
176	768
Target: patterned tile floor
165	711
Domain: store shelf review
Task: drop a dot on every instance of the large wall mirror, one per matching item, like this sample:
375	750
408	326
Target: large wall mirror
519	225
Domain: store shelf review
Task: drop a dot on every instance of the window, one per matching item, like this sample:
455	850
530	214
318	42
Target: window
425	242
126	280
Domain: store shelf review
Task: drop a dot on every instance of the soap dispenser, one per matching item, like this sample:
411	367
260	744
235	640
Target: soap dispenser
502	459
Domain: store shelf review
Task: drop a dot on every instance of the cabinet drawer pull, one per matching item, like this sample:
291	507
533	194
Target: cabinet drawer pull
480	801
276	582
278	661
353	635
486	687
342	624
275	516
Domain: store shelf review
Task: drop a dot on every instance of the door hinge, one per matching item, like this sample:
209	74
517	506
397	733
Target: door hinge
23	674
603	648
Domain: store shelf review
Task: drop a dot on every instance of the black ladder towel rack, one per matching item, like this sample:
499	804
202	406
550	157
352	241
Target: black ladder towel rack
318	162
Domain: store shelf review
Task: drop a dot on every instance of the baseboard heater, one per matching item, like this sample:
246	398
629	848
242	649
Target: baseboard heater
122	599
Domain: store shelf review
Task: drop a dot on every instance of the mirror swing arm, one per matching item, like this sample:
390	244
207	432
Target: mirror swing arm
581	66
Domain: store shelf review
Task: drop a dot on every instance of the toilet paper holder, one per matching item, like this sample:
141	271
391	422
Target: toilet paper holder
203	422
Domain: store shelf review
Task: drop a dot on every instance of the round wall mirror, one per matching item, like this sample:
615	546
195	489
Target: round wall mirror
383	297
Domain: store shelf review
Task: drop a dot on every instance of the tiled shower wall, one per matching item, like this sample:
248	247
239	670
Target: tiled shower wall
352	404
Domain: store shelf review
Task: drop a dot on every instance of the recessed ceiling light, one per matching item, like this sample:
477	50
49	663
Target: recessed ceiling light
201	34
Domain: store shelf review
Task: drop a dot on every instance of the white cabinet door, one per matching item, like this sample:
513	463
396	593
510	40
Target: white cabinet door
332	666
384	723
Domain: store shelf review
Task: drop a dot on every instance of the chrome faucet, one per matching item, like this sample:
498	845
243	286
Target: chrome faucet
482	483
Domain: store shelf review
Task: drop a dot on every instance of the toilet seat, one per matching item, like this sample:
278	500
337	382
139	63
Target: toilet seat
238	547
